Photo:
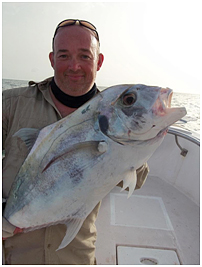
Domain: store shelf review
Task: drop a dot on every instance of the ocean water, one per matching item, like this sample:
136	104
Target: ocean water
191	102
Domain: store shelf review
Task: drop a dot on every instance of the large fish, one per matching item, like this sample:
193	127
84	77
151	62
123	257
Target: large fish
76	161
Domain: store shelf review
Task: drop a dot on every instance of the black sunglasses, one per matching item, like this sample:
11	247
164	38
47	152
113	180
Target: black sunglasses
84	23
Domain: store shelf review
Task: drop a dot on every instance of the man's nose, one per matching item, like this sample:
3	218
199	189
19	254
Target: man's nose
74	64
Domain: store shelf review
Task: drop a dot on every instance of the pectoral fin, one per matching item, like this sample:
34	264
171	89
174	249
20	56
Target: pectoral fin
73	227
130	181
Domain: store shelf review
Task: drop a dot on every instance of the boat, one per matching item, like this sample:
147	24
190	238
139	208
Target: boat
159	224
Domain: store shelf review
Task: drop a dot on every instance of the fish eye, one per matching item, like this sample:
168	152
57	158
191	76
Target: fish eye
129	99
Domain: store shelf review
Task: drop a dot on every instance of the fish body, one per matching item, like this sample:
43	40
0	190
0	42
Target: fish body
77	161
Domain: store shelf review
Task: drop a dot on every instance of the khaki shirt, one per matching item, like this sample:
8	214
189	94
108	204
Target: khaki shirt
32	107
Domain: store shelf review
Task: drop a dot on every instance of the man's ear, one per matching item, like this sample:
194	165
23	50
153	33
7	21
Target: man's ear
100	61
51	58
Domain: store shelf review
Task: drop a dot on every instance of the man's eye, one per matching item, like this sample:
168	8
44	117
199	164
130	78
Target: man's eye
85	56
63	56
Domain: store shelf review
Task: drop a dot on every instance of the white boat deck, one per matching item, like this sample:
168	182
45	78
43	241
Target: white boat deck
156	216
159	223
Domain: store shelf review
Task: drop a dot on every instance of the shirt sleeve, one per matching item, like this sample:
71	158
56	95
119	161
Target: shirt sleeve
5	118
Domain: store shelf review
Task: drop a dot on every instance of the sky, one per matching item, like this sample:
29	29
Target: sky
154	42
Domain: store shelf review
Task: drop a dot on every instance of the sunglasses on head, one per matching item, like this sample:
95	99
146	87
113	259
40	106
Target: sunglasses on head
84	23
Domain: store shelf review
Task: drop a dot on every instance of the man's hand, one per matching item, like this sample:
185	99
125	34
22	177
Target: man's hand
8	229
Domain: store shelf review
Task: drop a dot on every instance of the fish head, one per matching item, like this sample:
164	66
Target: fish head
138	112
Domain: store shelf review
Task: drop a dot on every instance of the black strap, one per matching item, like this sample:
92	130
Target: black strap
72	101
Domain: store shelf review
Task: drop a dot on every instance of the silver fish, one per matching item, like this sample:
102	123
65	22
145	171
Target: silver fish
77	161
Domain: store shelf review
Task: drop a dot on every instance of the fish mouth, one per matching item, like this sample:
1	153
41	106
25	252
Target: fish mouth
166	97
162	108
163	102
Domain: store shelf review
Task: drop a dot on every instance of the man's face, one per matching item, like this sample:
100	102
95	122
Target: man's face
75	60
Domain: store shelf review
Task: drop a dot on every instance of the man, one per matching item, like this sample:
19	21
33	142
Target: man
75	59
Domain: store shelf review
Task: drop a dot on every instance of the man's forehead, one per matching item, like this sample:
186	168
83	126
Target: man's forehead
77	36
75	30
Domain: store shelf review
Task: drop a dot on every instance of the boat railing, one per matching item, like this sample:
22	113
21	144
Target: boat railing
178	132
